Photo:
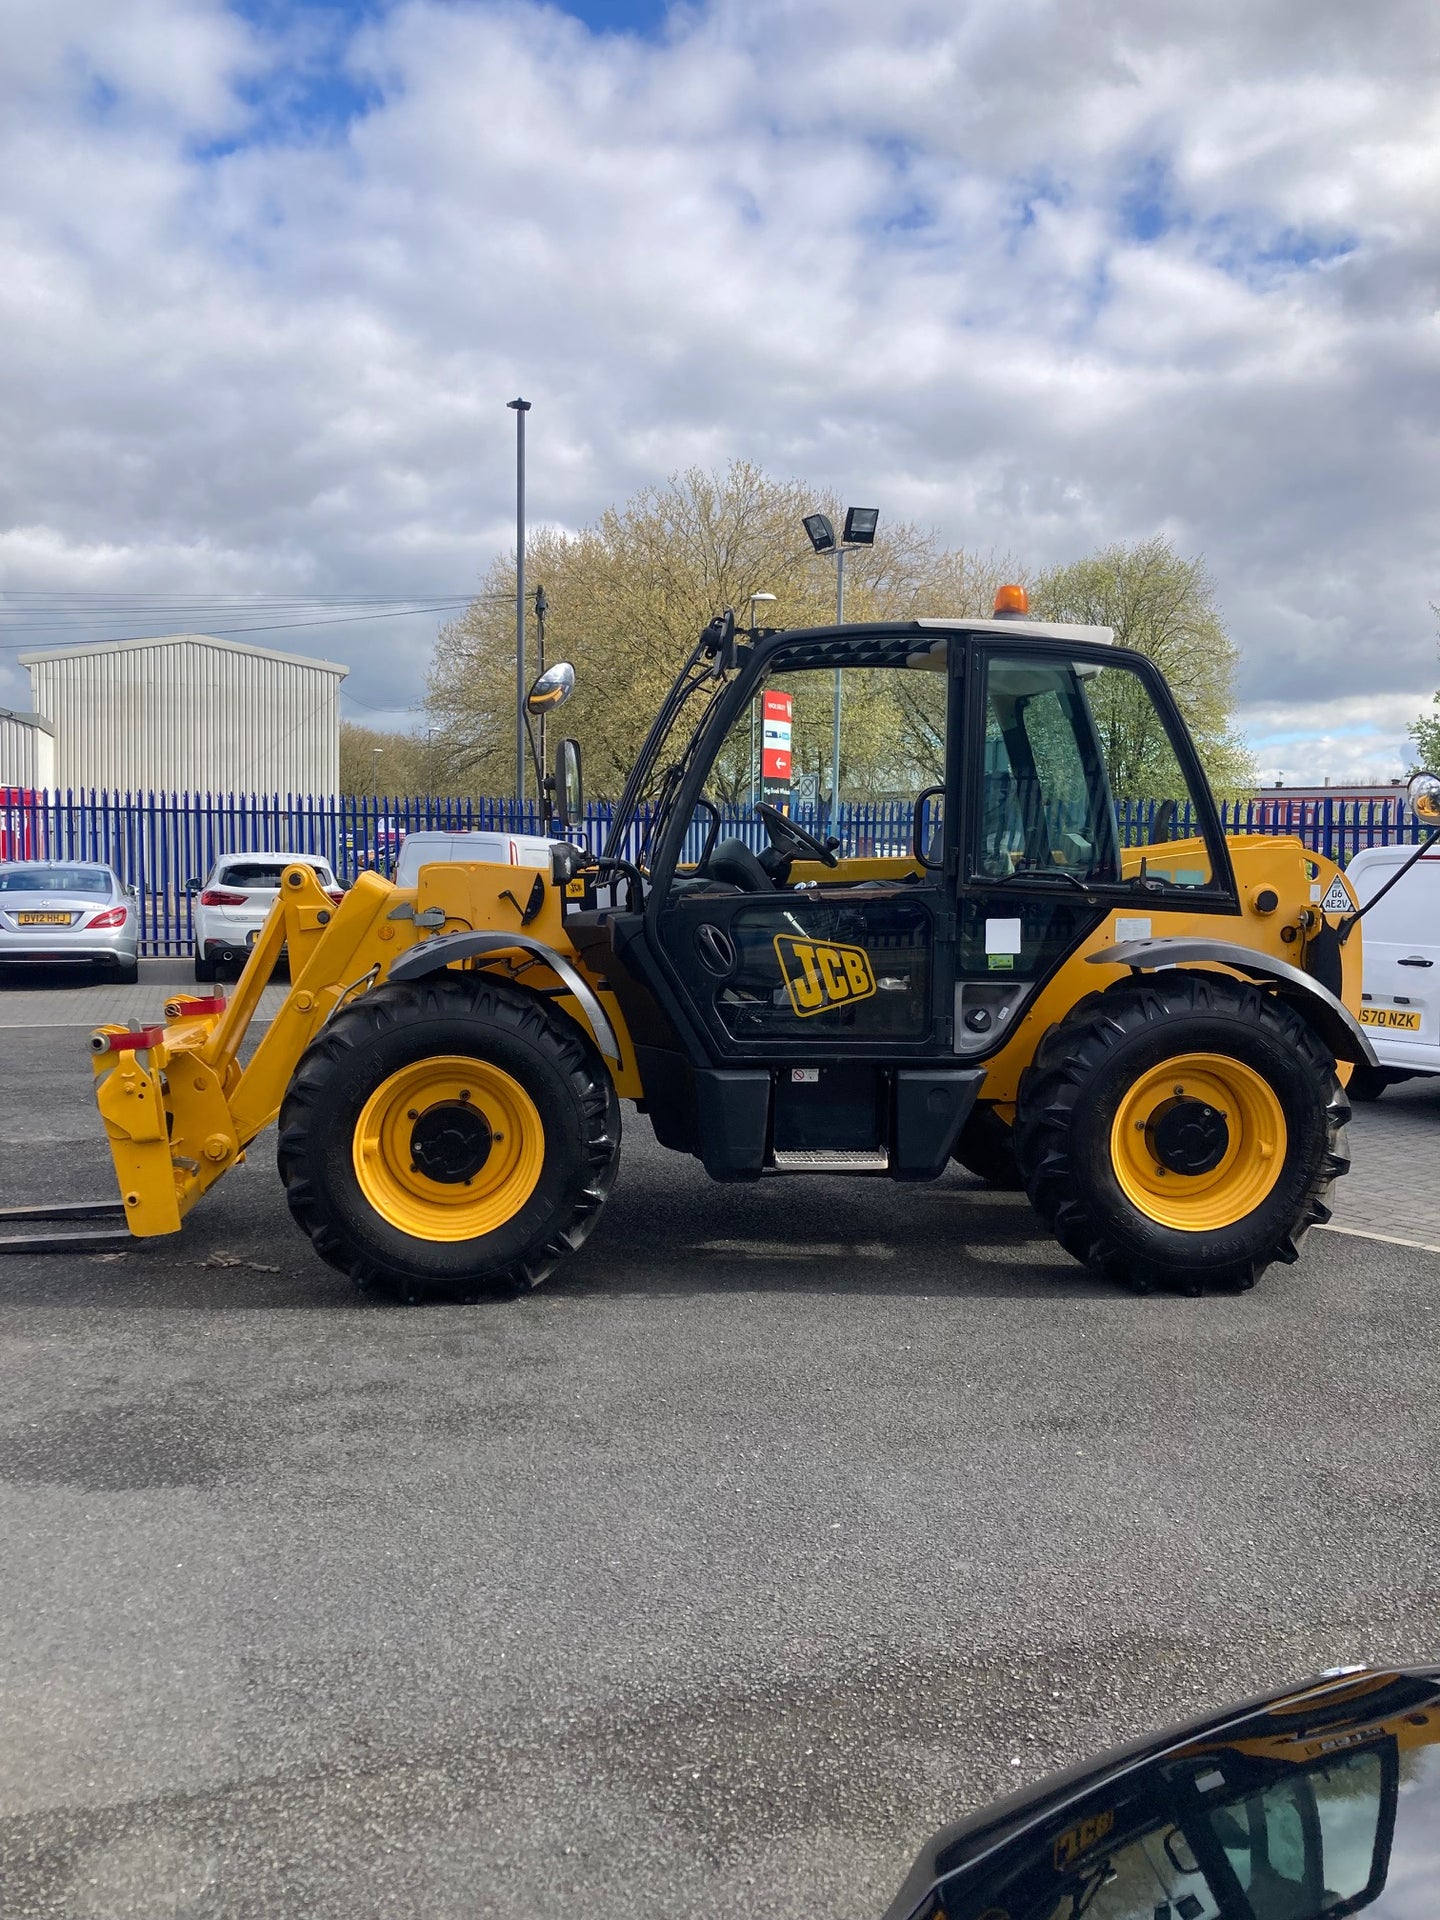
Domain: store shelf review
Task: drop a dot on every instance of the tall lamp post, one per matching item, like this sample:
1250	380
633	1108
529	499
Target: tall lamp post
519	408
860	525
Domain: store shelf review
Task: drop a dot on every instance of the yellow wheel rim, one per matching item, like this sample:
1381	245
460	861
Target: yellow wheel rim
448	1148
1198	1142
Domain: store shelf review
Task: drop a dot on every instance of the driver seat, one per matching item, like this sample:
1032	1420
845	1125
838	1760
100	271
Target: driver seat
732	861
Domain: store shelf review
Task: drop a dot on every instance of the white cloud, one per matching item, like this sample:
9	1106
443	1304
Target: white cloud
1043	277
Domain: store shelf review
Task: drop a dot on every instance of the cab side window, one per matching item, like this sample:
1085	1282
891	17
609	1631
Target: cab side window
1081	777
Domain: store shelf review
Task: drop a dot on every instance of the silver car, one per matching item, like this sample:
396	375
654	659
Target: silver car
68	913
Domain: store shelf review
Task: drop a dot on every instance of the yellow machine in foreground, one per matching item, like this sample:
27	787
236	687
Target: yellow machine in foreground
1145	1037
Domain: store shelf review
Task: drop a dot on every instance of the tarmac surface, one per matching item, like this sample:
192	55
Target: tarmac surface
784	1524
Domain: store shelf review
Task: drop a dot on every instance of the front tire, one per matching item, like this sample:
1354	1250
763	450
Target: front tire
450	1135
1182	1131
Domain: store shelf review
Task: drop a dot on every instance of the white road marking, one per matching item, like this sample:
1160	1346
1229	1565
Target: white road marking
1363	1233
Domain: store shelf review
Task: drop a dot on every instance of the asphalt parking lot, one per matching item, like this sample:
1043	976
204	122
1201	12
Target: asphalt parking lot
784	1524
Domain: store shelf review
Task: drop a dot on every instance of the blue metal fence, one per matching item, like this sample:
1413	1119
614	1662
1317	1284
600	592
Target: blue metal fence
158	842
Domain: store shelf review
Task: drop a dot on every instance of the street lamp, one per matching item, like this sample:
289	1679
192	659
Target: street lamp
859	531
375	753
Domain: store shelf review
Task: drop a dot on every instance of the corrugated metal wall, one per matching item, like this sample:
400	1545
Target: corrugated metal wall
188	714
27	752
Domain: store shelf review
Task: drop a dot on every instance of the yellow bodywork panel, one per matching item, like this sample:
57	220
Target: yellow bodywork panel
1264	865
181	1111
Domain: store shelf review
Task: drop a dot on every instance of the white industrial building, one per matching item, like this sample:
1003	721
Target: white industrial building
185	713
27	751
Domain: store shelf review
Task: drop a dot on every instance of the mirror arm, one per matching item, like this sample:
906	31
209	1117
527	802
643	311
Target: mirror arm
1354	919
541	793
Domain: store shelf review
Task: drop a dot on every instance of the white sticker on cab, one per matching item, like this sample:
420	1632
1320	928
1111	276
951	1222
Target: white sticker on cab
1002	936
1126	929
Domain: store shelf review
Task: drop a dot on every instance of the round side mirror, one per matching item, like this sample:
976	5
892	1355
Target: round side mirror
552	689
1423	794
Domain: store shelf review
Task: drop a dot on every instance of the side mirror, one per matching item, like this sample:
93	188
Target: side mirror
1423	793
192	886
553	688
569	787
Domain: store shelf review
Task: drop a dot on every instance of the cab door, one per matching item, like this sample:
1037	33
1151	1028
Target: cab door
808	959
1056	740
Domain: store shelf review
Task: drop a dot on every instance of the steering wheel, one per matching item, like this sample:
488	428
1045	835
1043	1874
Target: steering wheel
793	841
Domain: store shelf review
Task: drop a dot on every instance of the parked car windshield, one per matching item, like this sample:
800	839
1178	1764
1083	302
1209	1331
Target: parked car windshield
266	873
54	880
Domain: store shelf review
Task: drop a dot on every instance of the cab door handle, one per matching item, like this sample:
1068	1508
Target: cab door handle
1415	961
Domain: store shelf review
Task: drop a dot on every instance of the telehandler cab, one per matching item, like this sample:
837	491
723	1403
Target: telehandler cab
1144	1037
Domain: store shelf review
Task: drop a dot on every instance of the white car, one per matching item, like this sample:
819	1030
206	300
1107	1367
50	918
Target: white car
234	902
1400	990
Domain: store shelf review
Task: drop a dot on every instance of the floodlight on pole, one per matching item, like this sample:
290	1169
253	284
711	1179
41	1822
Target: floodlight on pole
860	526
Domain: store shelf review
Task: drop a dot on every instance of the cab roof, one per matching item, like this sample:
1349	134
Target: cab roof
1026	629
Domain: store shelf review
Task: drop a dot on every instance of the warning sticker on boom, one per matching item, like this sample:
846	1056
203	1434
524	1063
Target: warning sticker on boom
1337	898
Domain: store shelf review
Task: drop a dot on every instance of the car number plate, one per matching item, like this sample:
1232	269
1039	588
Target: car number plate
1397	1019
43	919
253	935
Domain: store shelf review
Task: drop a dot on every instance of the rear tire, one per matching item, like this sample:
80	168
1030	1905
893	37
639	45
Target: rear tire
127	973
986	1147
1141	1086
204	965
452	1135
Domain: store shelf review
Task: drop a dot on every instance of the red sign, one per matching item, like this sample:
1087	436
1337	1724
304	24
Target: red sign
776	709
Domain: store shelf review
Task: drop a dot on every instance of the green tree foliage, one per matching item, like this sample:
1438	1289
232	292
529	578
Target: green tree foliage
408	763
1162	606
629	596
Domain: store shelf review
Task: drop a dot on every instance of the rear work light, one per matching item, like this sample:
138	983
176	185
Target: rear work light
116	917
213	897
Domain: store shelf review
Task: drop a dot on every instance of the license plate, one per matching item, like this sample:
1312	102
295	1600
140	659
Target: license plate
43	919
252	936
1397	1019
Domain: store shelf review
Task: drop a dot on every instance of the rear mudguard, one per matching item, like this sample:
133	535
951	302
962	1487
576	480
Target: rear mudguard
1330	1017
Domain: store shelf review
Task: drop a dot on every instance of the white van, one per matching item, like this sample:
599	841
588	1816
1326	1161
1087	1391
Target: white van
1400	999
424	848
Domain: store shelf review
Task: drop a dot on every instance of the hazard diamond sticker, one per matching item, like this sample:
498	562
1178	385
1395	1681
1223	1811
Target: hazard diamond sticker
1337	898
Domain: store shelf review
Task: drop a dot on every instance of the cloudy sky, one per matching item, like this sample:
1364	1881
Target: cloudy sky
1042	273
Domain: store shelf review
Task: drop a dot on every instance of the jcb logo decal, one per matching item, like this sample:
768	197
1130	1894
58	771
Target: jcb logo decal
818	976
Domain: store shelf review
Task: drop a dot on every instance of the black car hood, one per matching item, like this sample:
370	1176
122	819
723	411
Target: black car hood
1323	1800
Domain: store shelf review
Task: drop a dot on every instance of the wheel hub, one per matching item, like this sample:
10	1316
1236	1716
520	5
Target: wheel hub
450	1142
1187	1136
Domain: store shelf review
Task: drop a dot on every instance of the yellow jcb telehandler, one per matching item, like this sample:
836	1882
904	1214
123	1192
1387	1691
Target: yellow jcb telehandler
1150	1039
